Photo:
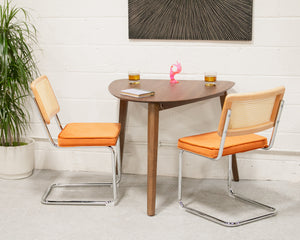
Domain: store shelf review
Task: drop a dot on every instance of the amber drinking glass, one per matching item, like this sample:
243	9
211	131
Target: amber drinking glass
134	76
210	79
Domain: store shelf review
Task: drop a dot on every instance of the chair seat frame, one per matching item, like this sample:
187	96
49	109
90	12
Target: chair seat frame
116	177
271	211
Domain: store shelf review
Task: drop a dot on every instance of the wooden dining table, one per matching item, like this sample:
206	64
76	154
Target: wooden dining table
166	96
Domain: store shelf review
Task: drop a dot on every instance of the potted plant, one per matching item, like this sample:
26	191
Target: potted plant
17	70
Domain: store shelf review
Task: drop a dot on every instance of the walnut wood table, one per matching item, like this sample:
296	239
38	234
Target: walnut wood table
166	96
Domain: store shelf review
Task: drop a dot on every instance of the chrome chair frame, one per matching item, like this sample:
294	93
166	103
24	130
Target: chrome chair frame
116	178
271	210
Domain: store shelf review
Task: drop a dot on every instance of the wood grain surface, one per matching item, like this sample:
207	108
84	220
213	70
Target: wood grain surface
185	91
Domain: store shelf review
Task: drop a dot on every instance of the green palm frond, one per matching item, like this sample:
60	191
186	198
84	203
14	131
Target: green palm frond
17	70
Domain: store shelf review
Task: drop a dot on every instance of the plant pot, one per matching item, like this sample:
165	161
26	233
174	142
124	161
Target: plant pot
17	162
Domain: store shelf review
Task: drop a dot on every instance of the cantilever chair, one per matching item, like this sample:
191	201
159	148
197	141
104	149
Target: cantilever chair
242	116
77	135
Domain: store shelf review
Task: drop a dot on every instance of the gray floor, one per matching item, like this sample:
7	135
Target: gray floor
24	217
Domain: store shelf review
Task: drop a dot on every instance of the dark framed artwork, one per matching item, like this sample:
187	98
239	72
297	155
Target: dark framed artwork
190	19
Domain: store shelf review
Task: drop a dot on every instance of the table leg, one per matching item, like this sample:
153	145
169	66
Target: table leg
153	118
235	172
122	119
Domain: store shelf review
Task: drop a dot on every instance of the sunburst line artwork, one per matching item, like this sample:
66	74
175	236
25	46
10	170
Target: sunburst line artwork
190	19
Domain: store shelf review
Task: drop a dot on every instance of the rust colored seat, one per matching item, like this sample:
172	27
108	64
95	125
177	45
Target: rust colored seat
77	135
208	144
89	134
243	115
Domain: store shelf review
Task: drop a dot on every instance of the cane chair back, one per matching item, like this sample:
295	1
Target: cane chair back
251	112
45	98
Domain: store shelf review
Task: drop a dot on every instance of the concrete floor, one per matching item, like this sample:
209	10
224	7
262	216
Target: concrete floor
24	217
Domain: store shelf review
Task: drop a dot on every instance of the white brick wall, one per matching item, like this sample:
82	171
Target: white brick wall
84	46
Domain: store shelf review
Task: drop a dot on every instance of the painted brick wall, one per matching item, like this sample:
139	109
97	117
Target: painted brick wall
84	46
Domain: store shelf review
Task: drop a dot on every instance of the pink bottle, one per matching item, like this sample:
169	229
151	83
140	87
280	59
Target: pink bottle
175	68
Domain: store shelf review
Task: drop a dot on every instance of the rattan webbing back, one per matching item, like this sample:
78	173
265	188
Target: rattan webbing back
45	98
251	112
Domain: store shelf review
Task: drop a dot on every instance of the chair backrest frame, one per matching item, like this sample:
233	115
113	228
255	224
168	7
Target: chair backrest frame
45	98
50	138
225	131
49	110
261	107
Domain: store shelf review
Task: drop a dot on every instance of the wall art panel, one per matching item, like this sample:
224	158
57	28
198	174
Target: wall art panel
190	19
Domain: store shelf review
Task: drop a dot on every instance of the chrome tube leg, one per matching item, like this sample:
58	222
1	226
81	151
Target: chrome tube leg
230	191
112	184
180	179
119	162
113	163
270	210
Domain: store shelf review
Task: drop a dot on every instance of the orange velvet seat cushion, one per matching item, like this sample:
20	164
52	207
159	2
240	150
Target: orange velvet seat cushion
89	134
207	144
